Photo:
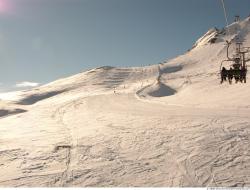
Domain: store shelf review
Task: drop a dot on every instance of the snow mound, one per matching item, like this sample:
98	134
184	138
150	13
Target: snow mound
156	90
161	90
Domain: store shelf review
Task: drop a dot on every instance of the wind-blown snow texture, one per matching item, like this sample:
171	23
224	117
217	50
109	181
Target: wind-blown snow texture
171	124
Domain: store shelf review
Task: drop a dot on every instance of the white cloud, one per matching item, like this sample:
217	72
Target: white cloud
26	84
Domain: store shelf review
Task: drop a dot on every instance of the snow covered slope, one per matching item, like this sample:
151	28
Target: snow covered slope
171	124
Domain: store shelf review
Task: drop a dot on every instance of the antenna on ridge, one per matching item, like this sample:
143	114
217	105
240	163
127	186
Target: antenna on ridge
237	18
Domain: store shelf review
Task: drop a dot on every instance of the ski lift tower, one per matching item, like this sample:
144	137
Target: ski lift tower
242	51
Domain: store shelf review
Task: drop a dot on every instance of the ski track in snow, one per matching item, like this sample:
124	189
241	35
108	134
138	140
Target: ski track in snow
195	150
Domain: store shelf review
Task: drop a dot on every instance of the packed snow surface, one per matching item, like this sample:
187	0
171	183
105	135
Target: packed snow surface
171	124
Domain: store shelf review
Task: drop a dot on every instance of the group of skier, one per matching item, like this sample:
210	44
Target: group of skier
239	74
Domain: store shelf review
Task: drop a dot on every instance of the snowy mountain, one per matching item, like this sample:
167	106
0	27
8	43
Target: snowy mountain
171	124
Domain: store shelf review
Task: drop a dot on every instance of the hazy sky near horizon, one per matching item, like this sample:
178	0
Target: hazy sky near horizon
43	40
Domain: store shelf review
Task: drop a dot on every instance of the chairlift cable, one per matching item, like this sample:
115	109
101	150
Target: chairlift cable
225	14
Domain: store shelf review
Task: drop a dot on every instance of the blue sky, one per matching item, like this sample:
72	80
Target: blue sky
43	40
